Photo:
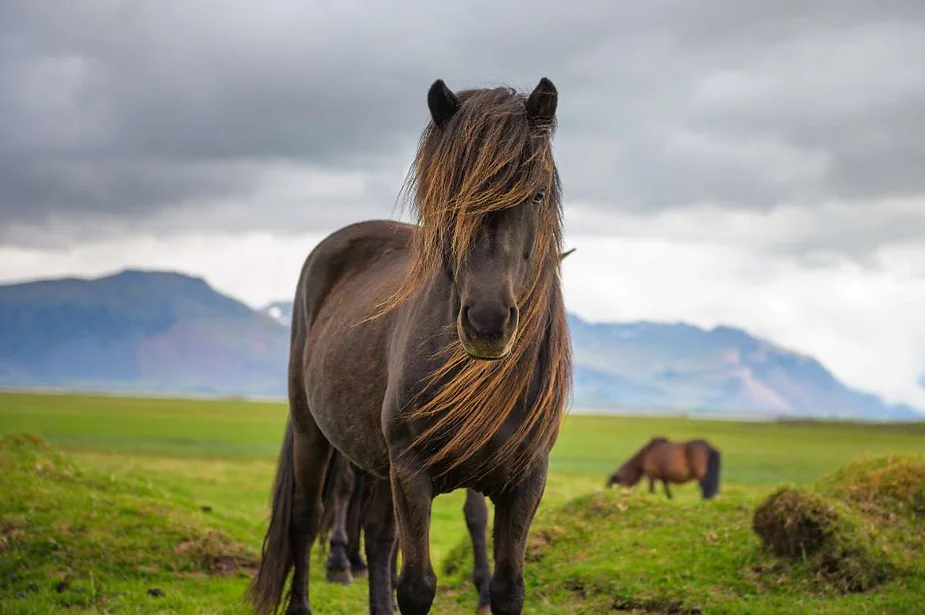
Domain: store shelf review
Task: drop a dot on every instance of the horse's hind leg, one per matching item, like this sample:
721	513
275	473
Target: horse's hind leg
514	512
338	564
355	509
379	531
311	453
476	513
651	485
667	490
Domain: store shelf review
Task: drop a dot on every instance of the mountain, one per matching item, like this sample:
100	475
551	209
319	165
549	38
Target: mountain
724	369
161	331
138	330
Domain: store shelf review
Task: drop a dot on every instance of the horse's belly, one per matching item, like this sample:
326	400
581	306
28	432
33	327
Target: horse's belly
670	466
345	378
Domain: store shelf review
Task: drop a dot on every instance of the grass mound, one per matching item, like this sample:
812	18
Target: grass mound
837	543
73	536
856	527
889	487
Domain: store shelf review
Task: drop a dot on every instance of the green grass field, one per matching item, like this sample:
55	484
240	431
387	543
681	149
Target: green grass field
122	512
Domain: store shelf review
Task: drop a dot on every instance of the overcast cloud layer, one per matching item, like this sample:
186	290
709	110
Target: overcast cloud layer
785	136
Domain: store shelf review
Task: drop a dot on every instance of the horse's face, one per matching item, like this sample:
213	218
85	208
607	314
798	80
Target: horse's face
492	277
498	264
625	477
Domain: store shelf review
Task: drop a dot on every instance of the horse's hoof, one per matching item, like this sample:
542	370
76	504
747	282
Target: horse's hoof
298	609
341	577
360	573
484	609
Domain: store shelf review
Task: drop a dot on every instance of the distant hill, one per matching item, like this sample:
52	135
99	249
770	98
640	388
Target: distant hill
724	369
138	330
158	331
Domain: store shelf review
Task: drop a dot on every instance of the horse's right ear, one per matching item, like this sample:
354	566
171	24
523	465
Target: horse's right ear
442	102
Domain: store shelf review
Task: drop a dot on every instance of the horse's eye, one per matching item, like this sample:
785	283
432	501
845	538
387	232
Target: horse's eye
538	198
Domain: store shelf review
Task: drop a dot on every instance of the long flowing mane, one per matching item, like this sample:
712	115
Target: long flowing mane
489	157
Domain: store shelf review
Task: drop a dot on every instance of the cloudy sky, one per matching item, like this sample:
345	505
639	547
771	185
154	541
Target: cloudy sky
752	163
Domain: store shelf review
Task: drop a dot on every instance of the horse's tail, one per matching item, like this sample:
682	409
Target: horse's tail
266	590
709	484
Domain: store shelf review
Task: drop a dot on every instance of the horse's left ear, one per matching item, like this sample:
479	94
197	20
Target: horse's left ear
542	102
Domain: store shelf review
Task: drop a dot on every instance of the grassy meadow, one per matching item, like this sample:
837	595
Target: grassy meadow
158	506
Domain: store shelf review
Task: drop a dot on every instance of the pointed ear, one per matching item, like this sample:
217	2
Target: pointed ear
542	102
442	102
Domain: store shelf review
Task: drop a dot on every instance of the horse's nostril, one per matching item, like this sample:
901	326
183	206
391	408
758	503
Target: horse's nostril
489	321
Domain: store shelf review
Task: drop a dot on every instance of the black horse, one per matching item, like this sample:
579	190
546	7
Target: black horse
433	356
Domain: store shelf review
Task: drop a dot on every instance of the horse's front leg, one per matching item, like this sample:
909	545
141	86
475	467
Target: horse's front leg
379	533
413	496
514	512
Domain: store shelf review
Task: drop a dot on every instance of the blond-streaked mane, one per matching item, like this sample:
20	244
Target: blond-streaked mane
488	158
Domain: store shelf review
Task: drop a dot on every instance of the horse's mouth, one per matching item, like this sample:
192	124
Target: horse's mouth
485	349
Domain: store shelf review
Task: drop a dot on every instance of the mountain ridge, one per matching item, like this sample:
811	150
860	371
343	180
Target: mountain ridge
165	331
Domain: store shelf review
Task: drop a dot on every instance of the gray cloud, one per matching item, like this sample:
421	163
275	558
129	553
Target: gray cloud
216	114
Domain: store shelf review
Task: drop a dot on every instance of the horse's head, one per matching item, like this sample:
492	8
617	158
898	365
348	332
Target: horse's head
626	476
488	199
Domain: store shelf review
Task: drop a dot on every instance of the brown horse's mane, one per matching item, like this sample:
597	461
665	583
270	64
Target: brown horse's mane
489	157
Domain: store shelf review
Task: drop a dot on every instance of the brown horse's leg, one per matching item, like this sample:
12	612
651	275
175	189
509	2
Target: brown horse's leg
379	531
476	512
667	490
514	511
355	523
417	583
311	452
651	485
338	564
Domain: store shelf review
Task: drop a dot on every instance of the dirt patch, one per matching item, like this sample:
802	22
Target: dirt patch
539	541
217	555
652	607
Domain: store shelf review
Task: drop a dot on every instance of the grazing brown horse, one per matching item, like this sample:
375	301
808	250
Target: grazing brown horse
672	462
433	356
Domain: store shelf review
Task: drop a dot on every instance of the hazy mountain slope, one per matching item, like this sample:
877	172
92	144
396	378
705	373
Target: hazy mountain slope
137	329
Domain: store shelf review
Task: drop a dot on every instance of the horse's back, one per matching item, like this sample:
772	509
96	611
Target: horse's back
348	251
667	461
